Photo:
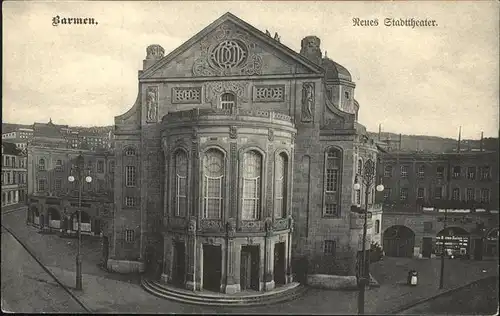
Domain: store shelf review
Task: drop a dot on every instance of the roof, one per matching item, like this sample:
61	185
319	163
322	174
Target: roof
47	130
10	149
335	70
239	22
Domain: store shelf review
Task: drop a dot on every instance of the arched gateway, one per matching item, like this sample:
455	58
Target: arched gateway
399	241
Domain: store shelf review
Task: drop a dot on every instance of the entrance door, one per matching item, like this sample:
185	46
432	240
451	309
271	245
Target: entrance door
249	271
105	250
179	272
279	263
426	247
212	267
478	249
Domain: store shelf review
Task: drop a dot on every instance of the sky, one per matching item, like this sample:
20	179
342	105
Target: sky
421	81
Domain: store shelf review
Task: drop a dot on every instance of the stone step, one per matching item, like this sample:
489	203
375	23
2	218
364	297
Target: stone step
214	299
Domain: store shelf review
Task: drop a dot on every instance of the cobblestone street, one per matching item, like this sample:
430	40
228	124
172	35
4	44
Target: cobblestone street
123	294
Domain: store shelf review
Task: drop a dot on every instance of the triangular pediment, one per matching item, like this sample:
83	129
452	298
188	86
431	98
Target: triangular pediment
230	47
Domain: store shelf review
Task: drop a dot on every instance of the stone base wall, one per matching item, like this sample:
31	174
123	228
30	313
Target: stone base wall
124	266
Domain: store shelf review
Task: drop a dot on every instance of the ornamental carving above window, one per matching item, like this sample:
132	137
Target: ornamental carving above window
228	54
269	93
186	95
228	51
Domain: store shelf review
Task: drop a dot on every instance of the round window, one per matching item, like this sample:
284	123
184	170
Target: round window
228	54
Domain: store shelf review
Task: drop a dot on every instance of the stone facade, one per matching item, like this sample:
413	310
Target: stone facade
420	188
53	200
233	89
14	175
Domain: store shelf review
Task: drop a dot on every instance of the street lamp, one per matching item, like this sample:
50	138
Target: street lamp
368	177
79	171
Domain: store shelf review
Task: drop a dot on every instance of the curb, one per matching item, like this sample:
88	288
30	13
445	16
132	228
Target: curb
410	305
88	310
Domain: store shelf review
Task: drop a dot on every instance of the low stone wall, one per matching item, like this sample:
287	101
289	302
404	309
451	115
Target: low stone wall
332	282
124	266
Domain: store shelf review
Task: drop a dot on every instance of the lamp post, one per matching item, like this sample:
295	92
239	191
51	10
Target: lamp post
80	178
367	177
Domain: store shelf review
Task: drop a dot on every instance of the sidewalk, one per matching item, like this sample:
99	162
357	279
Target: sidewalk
107	292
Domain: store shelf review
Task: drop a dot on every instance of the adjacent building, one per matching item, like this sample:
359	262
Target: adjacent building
14	175
54	200
431	197
237	162
18	135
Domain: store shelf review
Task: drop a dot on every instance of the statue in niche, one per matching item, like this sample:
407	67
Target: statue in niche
307	101
152	104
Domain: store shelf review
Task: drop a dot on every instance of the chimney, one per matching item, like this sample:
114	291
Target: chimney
481	143
310	49
379	131
154	53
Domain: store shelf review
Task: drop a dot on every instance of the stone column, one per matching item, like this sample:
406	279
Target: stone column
191	255
166	275
289	275
268	257
231	286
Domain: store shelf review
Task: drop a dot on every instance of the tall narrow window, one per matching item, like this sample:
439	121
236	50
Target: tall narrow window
252	167
59	165
485	195
332	170
360	166
180	183
213	169
455	194
377	226
440	172
471	173
100	166
130	176
404	171
471	196
41	164
228	101
280	186
388	171
421	172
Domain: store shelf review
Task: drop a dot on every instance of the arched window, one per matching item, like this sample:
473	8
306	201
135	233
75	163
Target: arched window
213	175
227	101
281	185
377	226
129	151
332	170
180	185
41	164
252	167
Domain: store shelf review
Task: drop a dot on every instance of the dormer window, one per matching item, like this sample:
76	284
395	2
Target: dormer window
228	101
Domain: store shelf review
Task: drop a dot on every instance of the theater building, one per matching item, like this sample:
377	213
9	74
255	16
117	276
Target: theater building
237	160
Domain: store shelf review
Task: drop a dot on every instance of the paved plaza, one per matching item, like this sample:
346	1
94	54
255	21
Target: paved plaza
107	292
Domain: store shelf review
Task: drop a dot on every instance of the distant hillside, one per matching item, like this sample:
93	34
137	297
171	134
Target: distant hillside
433	143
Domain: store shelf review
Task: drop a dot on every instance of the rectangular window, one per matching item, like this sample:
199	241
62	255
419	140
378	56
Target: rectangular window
59	165
129	201
420	193
129	236
438	193
41	184
403	194
485	195
421	172
388	171
100	166
485	173
358	197
331	210
130	176
330	247
471	173
251	193
58	184
112	166
387	193
471	196
457	172
427	227
455	194
331	180
440	172
404	171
